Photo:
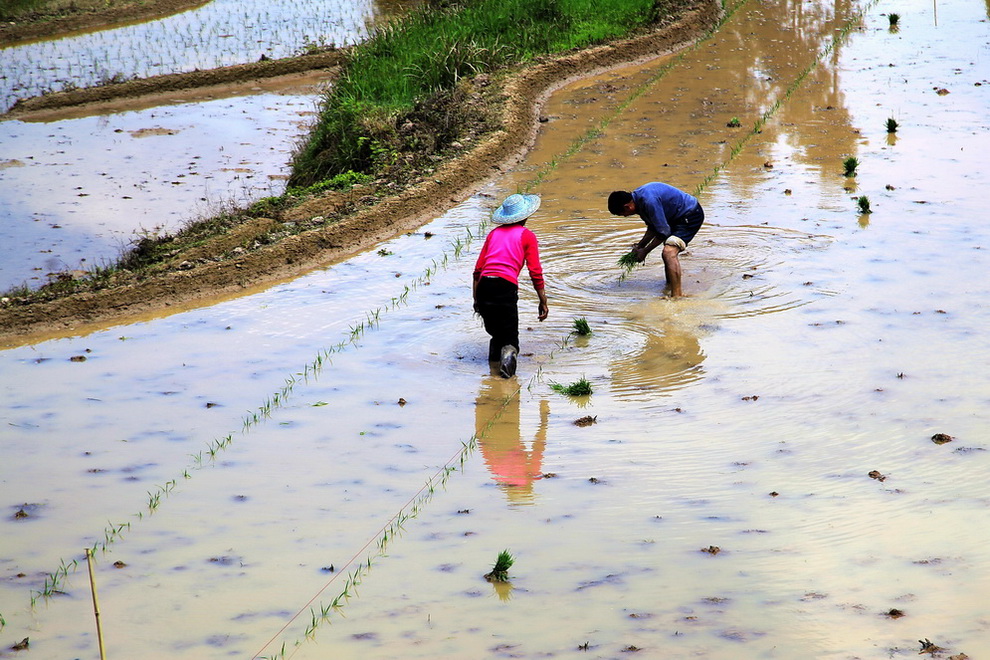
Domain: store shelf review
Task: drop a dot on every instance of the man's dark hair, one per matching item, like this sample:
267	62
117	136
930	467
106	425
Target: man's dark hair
617	200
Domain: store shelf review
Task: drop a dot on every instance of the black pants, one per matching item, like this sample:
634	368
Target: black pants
498	304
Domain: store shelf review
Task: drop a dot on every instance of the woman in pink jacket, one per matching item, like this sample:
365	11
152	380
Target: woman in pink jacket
496	278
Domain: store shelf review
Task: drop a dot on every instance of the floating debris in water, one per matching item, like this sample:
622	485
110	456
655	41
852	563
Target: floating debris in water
875	474
941	438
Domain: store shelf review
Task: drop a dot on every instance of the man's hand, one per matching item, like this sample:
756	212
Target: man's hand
544	310
640	253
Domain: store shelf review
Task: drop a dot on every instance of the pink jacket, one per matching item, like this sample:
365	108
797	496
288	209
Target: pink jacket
505	251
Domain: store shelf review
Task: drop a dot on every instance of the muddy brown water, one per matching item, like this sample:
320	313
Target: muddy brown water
815	345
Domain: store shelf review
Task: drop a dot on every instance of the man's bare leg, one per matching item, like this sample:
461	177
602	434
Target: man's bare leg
672	270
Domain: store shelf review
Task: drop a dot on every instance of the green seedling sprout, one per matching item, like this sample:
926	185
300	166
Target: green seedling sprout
850	164
581	327
578	388
500	572
893	19
734	123
864	204
891	125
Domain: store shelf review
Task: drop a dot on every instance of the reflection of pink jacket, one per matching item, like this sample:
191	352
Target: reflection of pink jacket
505	251
513	465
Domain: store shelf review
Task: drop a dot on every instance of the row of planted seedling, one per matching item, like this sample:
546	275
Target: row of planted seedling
115	532
208	36
322	612
851	165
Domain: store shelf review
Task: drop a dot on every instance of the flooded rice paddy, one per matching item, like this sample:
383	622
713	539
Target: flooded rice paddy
76	192
328	469
159	166
219	33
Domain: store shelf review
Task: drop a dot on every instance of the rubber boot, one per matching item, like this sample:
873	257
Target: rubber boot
507	364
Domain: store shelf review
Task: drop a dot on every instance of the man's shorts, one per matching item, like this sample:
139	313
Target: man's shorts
685	228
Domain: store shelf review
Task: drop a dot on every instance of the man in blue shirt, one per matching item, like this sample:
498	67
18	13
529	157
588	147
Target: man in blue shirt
672	219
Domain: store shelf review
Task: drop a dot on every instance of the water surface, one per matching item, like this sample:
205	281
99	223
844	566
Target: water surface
815	346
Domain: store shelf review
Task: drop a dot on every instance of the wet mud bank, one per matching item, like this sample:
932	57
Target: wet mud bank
41	26
111	97
184	284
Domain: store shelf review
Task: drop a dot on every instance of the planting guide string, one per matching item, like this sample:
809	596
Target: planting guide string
113	533
394	525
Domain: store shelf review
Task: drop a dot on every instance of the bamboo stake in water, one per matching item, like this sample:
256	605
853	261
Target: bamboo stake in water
96	604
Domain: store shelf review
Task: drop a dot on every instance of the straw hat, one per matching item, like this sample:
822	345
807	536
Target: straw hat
515	208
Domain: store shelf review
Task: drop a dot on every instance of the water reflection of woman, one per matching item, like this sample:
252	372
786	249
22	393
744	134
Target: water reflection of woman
497	417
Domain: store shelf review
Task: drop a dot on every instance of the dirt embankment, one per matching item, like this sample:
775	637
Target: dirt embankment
187	285
83	16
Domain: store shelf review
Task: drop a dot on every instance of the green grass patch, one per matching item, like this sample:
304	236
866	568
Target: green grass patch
392	99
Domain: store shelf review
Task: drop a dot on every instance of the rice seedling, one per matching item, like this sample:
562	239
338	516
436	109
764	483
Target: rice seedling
850	164
891	125
578	388
628	261
581	327
863	202
500	571
734	123
893	19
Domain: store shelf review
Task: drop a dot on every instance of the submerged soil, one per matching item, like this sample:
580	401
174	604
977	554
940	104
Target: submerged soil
187	283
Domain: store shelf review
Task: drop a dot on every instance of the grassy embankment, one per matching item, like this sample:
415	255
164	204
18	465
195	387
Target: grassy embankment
401	104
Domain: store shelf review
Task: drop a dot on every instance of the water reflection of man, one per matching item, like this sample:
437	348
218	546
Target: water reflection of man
672	219
497	414
670	360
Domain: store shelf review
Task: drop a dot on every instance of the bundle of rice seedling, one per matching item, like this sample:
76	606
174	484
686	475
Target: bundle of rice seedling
577	388
628	260
500	572
581	327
